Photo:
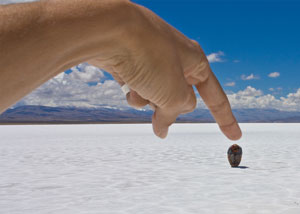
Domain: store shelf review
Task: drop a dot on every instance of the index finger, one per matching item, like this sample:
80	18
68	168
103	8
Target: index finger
216	100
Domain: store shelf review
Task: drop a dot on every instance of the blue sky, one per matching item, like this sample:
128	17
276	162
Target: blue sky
263	36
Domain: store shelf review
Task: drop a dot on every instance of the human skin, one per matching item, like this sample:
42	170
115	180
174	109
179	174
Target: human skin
160	65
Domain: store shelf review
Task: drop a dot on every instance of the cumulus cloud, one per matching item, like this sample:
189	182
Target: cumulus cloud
292	100
73	90
249	98
254	98
249	92
274	75
275	89
250	77
230	84
86	73
215	57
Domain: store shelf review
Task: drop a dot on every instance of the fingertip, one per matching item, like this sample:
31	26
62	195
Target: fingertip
232	131
161	132
158	129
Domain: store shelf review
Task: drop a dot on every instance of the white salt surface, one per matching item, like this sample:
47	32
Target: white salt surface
105	169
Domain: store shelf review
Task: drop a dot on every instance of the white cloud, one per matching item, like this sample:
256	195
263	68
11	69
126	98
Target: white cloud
275	89
250	92
87	73
230	84
236	61
250	77
274	75
73	90
254	98
14	1
292	101
249	98
215	57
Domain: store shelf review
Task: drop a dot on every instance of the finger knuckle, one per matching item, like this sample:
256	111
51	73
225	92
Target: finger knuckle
203	72
201	69
173	102
182	103
218	107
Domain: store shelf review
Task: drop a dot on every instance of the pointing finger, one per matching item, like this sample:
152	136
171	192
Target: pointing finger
197	72
218	104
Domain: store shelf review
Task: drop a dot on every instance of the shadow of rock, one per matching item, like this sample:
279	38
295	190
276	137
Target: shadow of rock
241	167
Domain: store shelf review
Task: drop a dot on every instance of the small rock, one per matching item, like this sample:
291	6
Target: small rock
234	155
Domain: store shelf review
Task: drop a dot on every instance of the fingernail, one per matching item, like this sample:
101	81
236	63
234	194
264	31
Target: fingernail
233	131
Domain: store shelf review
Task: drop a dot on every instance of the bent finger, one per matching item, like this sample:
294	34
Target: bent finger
163	118
216	100
135	100
132	97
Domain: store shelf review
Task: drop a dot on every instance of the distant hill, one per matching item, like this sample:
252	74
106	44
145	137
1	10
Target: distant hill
44	114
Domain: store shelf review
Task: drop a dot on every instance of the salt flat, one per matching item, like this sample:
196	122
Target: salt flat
105	169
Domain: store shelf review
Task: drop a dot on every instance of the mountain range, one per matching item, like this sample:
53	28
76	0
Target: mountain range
45	114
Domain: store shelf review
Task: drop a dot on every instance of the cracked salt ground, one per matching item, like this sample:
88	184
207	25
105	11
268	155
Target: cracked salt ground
125	169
